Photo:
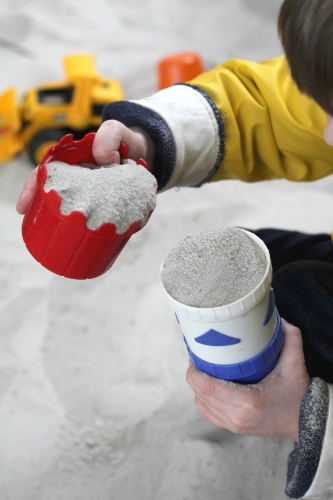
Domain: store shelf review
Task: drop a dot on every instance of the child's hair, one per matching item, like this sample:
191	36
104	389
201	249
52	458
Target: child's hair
306	31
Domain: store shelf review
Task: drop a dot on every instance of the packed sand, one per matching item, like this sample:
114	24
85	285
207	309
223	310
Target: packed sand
118	194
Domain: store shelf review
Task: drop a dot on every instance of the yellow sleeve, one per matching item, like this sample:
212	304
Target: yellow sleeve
271	129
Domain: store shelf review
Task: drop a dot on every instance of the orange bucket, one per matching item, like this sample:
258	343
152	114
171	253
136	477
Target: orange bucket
178	68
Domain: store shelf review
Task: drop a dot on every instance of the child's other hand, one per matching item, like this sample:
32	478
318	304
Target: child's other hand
108	138
269	408
27	192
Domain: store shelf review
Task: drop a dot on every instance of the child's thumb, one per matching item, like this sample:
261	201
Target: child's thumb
292	356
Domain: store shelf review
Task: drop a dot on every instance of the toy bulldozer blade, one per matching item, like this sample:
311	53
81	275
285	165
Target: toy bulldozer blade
80	65
10	124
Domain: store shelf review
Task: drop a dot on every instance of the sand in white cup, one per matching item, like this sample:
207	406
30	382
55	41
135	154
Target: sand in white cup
218	283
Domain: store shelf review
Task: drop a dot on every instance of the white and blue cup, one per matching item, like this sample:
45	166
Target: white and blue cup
240	341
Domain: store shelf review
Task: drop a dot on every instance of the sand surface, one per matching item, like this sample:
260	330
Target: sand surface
115	194
213	268
93	398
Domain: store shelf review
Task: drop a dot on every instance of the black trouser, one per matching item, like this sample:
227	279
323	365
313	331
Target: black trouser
303	287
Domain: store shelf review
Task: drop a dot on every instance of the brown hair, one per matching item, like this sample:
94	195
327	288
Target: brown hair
306	31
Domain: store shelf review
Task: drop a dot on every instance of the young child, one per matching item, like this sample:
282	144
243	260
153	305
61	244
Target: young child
251	121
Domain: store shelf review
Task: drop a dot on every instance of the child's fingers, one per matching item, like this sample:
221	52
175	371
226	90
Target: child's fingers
215	417
209	388
27	192
107	141
292	356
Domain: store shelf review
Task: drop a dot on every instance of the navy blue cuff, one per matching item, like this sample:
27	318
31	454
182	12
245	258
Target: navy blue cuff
134	115
304	459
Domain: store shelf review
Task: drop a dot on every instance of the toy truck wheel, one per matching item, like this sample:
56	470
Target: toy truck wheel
41	142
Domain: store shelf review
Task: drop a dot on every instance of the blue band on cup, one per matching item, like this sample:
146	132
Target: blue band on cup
250	371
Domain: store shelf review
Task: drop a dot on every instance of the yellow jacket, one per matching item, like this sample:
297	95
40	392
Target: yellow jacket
271	129
241	120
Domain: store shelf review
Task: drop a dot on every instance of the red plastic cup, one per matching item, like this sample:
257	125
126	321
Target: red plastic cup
63	243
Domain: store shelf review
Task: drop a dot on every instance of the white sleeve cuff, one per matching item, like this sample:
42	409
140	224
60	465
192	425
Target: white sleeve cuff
195	130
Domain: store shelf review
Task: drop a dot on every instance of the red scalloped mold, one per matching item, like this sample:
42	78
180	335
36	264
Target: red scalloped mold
63	243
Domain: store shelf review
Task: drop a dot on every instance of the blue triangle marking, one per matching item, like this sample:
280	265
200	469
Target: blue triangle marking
215	338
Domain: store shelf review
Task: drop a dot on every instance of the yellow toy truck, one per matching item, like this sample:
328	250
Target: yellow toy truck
54	109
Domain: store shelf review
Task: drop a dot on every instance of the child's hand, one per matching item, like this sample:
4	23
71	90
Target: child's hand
105	150
269	408
108	138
